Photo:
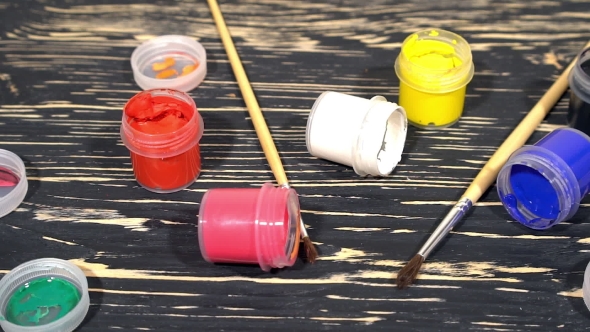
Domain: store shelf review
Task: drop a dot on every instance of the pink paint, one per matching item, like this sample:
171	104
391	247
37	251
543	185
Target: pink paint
250	226
8	178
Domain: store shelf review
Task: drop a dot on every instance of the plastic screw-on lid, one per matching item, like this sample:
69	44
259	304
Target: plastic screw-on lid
169	62
13	182
43	295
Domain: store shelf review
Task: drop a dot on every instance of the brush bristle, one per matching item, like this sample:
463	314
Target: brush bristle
407	275
310	251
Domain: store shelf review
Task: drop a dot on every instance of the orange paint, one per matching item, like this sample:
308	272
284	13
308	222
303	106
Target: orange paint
166	73
162	133
189	68
167	63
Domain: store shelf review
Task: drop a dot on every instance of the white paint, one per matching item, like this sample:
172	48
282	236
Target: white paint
368	135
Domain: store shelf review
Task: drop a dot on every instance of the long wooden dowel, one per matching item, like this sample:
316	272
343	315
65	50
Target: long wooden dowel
266	141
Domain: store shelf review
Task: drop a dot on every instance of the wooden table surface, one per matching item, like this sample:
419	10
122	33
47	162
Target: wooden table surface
65	75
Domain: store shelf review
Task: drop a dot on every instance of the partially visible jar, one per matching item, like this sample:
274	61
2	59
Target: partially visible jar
578	115
162	128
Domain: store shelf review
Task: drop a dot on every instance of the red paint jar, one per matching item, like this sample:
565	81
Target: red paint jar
162	128
250	226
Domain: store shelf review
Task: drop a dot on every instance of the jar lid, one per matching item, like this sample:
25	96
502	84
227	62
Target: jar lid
46	294
169	62
13	182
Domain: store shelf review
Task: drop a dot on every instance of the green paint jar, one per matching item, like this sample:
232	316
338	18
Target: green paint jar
48	294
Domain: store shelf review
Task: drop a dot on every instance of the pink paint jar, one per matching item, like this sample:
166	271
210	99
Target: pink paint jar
250	226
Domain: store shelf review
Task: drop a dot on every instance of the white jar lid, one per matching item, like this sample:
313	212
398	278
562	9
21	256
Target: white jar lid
13	182
165	62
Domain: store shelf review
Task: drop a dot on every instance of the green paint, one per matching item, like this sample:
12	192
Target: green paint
42	301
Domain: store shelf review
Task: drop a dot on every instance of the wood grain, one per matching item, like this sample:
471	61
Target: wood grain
65	75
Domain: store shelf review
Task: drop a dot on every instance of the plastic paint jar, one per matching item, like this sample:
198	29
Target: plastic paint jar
586	287
368	135
250	226
578	115
162	129
170	61
434	67
13	182
542	185
43	295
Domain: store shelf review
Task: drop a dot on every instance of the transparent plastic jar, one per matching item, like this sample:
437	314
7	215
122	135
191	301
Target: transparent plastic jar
434	67
250	226
184	51
586	287
13	177
368	135
578	115
48	316
169	161
542	185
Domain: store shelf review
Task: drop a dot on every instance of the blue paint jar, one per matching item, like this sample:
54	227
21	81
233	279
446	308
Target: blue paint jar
542	185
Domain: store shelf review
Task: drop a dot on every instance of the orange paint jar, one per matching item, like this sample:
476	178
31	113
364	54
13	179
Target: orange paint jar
162	128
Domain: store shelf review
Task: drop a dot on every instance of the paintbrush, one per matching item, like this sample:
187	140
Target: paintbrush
487	175
264	136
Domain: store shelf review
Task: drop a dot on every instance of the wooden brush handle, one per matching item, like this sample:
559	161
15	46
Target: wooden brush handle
264	136
519	136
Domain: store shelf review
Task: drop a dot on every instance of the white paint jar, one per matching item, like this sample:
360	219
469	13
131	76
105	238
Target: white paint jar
586	287
368	135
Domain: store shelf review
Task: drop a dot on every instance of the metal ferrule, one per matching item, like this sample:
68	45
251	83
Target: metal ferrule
445	226
301	224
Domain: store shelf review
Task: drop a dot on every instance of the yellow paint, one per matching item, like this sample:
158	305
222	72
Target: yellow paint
434	68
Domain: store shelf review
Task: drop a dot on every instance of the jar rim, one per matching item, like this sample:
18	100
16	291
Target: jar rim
269	198
168	144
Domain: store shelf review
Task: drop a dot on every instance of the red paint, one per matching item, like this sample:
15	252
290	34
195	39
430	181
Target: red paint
250	226
162	129
7	178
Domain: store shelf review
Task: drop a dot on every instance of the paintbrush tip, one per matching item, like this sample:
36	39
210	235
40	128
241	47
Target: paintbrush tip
408	273
311	252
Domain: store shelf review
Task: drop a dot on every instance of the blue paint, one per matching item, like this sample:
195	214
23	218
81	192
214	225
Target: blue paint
535	191
543	184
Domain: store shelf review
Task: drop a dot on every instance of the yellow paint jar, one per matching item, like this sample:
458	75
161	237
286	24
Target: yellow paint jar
434	67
